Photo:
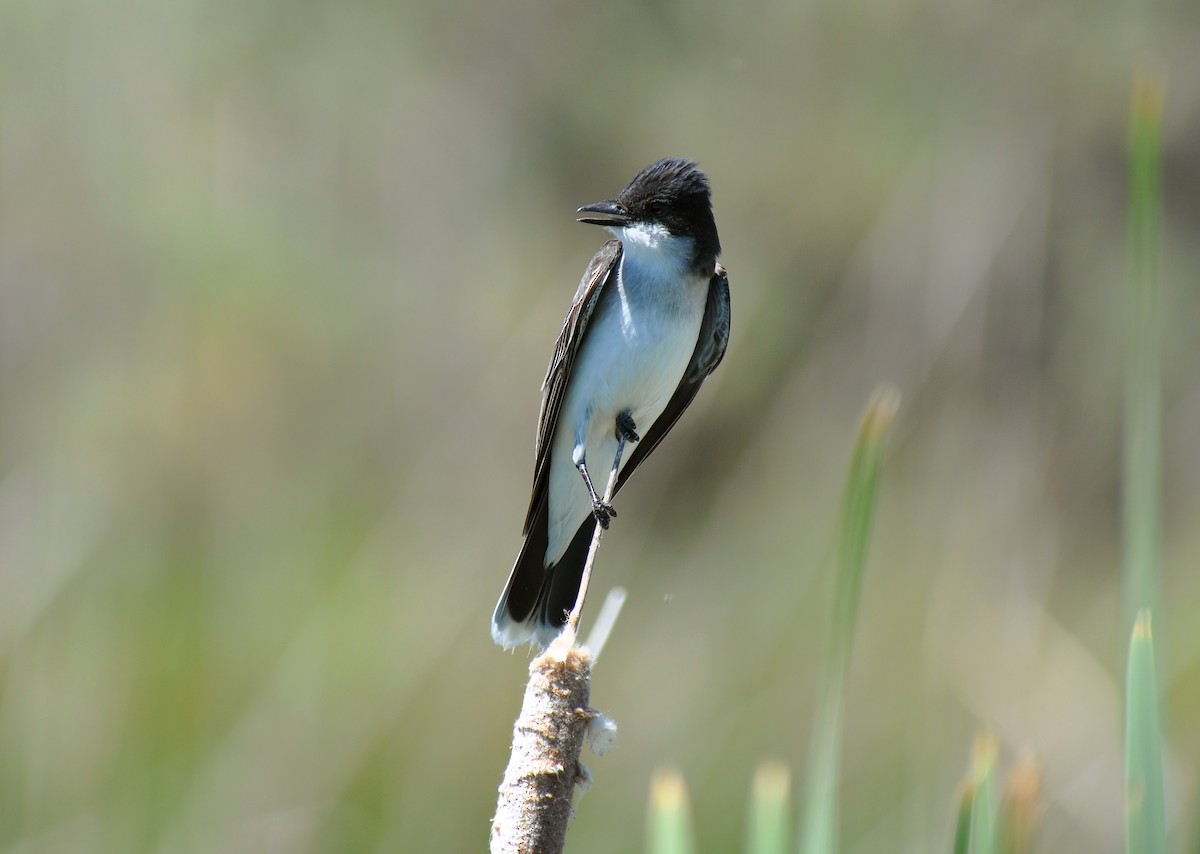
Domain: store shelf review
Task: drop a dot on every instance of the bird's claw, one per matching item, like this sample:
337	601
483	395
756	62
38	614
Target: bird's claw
604	513
627	427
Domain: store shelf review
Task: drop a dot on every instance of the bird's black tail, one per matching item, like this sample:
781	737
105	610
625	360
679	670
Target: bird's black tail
534	605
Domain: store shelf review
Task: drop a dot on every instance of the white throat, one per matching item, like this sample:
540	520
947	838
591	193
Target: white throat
654	250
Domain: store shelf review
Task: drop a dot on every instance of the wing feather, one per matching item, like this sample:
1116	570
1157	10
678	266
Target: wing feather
554	386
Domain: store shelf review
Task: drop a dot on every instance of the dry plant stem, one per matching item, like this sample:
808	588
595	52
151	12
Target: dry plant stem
538	786
534	806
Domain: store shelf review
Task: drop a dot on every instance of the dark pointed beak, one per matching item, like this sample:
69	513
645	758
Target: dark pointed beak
613	214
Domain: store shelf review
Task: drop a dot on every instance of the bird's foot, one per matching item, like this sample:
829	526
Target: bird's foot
626	427
604	513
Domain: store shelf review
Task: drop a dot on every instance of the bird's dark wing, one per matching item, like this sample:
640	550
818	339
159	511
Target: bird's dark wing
710	350
554	387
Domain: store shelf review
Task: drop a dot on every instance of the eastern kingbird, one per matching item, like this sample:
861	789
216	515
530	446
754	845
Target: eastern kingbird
649	322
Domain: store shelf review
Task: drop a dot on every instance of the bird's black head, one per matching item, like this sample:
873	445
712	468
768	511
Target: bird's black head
672	193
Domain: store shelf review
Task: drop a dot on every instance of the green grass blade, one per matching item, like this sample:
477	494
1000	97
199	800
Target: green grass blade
1145	824
670	825
984	827
769	828
962	828
976	830
983	817
1145	814
1143	385
858	505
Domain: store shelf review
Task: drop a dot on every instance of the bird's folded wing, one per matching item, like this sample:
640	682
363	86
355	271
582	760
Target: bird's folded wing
598	273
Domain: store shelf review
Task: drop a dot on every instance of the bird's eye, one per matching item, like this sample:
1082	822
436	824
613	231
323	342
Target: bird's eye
657	207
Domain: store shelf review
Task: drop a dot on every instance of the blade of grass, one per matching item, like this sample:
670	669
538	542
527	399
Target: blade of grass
1145	823
1145	813
975	828
962	827
1143	388
768	832
983	810
858	505
670	825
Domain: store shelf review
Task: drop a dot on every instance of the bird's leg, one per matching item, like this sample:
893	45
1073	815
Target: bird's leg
603	512
626	432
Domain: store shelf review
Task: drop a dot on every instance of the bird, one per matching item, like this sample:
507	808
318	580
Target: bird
648	323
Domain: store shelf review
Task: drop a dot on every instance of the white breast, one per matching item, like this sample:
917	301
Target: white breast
637	346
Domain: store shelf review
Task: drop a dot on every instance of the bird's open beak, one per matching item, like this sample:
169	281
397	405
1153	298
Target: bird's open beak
613	214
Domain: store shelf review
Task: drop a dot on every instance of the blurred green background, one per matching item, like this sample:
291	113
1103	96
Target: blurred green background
278	283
